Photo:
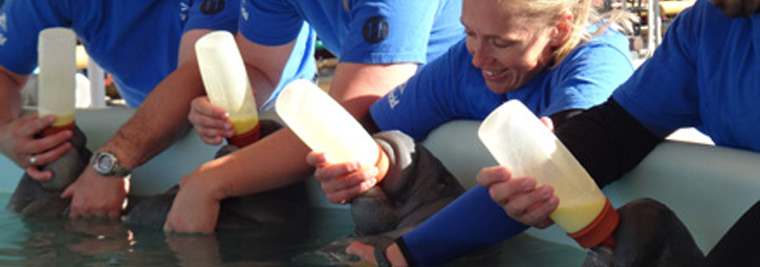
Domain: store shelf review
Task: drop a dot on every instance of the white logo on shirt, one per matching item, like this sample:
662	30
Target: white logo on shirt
183	10
3	26
2	39
243	12
392	98
401	88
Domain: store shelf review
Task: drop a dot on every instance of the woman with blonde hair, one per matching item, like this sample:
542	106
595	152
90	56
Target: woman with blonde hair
558	57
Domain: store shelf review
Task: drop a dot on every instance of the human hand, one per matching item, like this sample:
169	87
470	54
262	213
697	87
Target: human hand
520	197
366	254
96	196
210	122
548	123
195	208
17	141
342	182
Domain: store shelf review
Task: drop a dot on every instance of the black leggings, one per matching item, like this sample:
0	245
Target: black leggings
741	245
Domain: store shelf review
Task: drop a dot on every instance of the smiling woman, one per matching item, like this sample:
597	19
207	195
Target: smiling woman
556	56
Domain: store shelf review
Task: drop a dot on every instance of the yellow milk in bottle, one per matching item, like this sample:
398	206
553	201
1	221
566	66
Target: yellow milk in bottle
244	123
325	126
518	140
57	63
226	82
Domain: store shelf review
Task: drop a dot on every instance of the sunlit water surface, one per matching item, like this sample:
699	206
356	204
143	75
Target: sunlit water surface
34	242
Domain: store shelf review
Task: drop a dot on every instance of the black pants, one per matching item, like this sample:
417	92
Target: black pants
741	245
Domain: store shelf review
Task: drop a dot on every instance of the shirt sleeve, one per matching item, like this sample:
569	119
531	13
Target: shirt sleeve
269	22
471	222
662	92
20	25
420	105
589	75
388	31
213	15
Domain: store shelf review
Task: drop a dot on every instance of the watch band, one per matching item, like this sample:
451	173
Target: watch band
113	169
382	260
120	171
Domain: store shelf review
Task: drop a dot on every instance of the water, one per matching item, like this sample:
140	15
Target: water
57	242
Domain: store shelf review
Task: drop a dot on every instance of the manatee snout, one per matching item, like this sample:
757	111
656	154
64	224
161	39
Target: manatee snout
649	234
42	198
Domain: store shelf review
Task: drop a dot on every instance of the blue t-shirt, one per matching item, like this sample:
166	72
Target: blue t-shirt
705	74
361	31
300	65
451	88
135	41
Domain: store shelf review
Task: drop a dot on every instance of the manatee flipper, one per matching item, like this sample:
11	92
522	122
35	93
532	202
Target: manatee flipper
42	198
649	234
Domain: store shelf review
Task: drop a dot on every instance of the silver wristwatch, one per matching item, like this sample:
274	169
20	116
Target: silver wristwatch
107	164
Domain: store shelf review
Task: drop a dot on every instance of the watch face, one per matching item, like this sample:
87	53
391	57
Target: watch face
103	163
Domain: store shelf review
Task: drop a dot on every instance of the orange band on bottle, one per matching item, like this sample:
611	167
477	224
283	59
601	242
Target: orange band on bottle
247	138
600	230
57	129
382	164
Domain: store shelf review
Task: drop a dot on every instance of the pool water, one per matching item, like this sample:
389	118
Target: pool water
58	242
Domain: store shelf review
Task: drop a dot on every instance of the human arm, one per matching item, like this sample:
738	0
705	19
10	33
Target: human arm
449	233
612	138
18	135
21	23
278	159
606	140
142	137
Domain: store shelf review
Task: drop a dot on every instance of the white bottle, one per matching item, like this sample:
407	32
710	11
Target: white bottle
324	125
57	88
226	83
518	140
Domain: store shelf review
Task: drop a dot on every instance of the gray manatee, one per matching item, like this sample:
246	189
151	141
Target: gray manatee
42	199
276	206
282	205
649	234
416	186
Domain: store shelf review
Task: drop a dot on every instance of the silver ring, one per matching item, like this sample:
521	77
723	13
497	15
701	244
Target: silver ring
33	160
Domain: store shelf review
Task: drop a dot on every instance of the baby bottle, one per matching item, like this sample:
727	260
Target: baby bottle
56	89
519	141
325	126
227	86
